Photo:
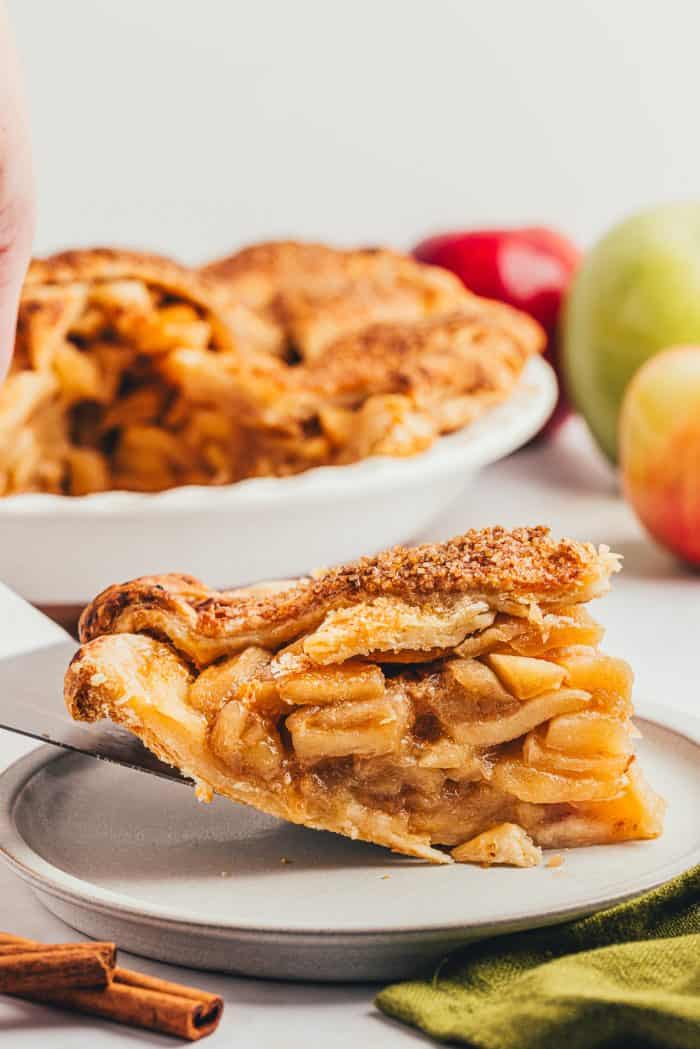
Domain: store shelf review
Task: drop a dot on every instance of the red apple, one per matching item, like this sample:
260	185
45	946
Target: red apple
660	448
528	268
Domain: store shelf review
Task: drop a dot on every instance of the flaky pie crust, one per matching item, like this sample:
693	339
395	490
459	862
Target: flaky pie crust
451	694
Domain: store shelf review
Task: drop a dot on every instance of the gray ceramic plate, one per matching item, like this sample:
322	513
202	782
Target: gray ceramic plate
138	860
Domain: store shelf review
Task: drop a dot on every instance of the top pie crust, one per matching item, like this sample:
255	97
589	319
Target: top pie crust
108	264
318	295
524	570
258	275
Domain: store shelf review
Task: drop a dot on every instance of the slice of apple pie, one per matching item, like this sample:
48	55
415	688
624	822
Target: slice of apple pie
445	695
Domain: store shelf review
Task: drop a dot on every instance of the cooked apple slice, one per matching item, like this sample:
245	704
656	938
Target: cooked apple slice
526	716
589	734
506	843
570	626
500	634
602	766
525	677
219	683
332	684
364	727
587	668
247	742
462	760
476	681
637	813
513	776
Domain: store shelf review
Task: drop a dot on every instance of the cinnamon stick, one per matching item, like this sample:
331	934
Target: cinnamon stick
65	965
135	999
6	938
143	1001
106	950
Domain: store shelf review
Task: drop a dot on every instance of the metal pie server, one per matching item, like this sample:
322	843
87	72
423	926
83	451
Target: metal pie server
31	703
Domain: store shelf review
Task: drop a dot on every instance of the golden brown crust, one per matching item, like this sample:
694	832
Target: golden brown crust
257	273
525	565
438	364
98	264
525	562
465	360
430	359
260	272
371	322
316	293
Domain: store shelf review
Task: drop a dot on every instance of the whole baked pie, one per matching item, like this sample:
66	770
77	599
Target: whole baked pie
443	697
133	372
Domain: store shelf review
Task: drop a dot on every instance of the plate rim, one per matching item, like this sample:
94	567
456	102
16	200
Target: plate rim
44	877
501	430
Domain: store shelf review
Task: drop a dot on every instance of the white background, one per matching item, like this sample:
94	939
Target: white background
189	126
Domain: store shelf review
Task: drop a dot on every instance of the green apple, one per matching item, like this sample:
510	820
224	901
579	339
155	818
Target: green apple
636	292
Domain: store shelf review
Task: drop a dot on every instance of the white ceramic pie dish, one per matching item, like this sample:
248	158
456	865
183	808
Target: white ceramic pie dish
60	550
133	858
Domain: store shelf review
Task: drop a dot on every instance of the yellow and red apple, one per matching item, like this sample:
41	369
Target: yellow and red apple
660	449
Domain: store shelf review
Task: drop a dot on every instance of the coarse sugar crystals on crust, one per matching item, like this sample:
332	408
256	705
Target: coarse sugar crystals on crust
524	572
262	273
442	353
524	561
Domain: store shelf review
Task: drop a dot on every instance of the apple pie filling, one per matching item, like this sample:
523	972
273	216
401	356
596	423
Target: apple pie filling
450	722
446	747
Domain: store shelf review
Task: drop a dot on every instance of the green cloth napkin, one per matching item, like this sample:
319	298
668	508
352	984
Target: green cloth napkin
625	977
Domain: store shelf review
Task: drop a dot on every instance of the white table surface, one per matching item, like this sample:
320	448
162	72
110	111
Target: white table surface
651	618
